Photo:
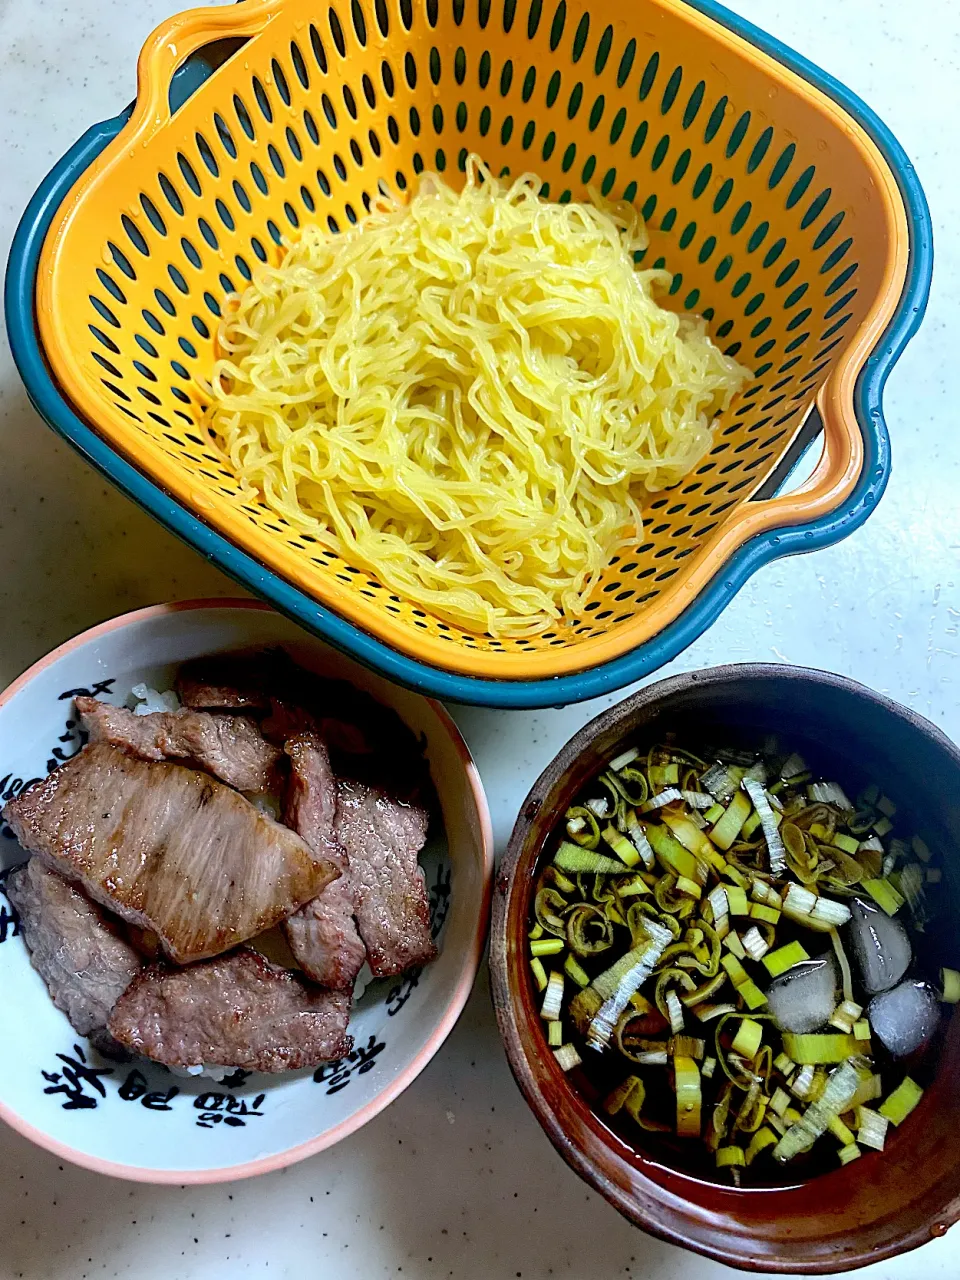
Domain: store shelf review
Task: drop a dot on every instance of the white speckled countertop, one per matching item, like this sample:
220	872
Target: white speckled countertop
456	1179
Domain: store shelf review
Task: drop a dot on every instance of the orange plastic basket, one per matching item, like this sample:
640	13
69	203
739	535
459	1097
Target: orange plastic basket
777	213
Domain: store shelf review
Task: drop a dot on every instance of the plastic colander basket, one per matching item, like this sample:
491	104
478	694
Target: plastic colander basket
776	211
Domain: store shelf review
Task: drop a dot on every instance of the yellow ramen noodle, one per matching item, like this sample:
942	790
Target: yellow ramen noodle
468	396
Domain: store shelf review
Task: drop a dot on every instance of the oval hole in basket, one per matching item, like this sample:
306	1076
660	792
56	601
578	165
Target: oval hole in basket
263	100
146	346
207	232
319	53
120	260
299	66
111	285
243	117
189	175
359	22
280	80
206	154
369	93
153	214
336	32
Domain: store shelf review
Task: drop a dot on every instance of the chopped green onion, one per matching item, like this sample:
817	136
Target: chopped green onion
784	958
728	828
539	974
921	849
567	1057
886	807
674	1012
835	1100
572	858
830	793
733	944
844	964
780	1101
637	833
746	988
670	796
801	1085
713	814
934	875
883	826
901	1102
872	1128
547	946
721	781
845	1015
766	895
861	1029
553	998
870	1088
884	895
840	1131
621	981
820	1049
730	1157
708	1068
555	1034
697	799
599	808
769	822
847	843
707	1012
672	855
573	970
950	986
688	1047
748	1038
849	1153
783	1064
792	767
737	902
687	1077
817	913
614	1102
624	758
755	945
762	1139
621	846
768	915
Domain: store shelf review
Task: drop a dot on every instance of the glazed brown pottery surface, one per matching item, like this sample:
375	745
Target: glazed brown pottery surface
875	1208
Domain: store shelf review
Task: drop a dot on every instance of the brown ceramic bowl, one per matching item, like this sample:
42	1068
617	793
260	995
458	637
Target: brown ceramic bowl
875	1208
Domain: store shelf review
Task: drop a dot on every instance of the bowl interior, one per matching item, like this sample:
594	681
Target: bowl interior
874	1208
140	1120
776	216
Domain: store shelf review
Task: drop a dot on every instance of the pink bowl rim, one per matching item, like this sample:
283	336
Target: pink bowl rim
471	963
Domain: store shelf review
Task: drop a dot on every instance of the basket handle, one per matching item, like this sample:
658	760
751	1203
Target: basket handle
837	472
175	40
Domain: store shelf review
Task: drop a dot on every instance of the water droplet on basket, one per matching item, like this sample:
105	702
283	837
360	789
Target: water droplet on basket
201	500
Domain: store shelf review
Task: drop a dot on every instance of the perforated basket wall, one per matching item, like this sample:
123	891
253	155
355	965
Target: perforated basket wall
778	217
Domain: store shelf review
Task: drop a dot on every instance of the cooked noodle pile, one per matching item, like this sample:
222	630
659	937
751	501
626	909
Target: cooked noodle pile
468	396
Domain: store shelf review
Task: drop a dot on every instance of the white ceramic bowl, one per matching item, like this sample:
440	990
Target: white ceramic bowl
139	1121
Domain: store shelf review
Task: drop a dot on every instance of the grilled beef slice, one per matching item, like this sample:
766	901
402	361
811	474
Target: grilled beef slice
323	934
78	952
168	849
382	837
230	747
238	1010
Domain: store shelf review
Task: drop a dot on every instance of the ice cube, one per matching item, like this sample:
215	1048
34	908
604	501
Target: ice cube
802	999
881	946
905	1018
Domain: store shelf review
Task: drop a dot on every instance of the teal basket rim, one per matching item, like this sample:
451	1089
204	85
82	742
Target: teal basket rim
559	691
